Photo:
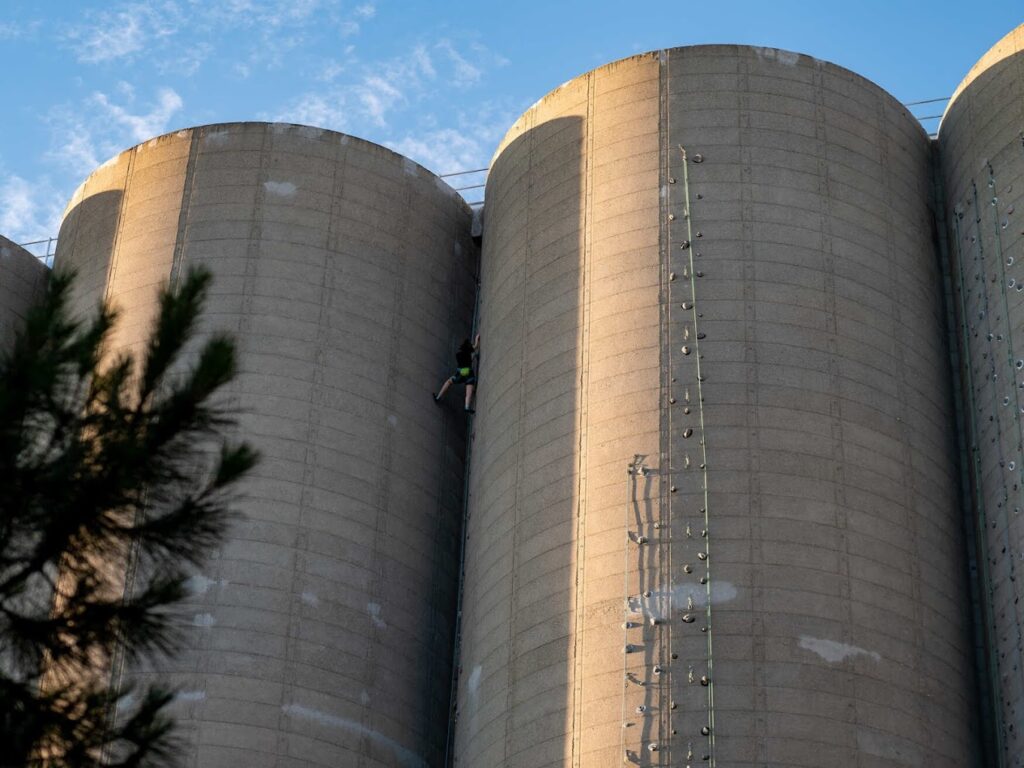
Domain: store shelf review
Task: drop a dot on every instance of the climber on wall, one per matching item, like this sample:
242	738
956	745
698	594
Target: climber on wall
464	373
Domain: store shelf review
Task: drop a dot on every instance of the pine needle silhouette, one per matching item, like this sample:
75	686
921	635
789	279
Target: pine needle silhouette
111	474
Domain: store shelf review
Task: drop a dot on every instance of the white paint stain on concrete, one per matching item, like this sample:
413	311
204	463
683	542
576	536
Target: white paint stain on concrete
405	757
364	698
200	584
216	138
190	695
786	58
374	610
473	683
309	599
833	651
203	620
309	131
280	188
661	602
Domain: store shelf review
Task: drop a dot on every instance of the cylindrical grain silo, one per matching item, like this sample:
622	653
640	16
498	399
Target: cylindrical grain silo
981	142
714	520
22	281
320	634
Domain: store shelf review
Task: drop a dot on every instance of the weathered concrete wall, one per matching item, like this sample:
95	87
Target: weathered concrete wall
22	281
982	148
763	326
320	635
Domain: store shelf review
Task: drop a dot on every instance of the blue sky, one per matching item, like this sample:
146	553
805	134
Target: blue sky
438	81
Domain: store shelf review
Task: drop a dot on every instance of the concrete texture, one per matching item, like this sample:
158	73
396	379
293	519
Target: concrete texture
982	150
320	635
713	442
22	281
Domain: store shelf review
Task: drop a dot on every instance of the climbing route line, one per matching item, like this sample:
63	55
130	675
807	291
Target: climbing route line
690	237
974	409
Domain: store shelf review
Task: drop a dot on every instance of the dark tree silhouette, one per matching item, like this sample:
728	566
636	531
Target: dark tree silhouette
111	474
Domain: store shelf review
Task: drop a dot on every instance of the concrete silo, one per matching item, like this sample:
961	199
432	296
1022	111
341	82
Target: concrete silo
22	280
320	635
981	142
714	520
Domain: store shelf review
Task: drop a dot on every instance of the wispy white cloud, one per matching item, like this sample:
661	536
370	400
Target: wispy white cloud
378	95
464	73
29	210
86	133
109	35
145	125
179	36
322	111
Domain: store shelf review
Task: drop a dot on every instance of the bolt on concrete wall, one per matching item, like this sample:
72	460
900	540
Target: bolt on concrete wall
982	149
714	520
22	281
320	634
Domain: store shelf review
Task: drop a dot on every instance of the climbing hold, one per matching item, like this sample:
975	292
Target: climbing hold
699	233
672	705
652	747
672	400
705	730
657	669
671	217
698	158
1009	261
685	350
671	180
629	648
671	276
687	432
703	579
688	618
702	555
684	245
700	197
628	625
704	680
687	568
701	335
641	539
686	305
699	273
672	489
647	593
655	621
1020	365
641	709
675	655
686	410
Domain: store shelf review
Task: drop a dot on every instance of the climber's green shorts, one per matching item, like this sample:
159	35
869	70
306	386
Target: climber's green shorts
464	376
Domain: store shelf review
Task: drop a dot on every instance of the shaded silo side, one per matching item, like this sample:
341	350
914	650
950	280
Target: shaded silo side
320	633
713	504
981	144
22	282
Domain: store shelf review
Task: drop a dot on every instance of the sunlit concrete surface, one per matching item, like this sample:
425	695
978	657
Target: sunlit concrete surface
321	633
718	259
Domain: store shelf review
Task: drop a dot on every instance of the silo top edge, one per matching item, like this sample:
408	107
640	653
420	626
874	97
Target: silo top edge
762	52
1007	46
310	131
